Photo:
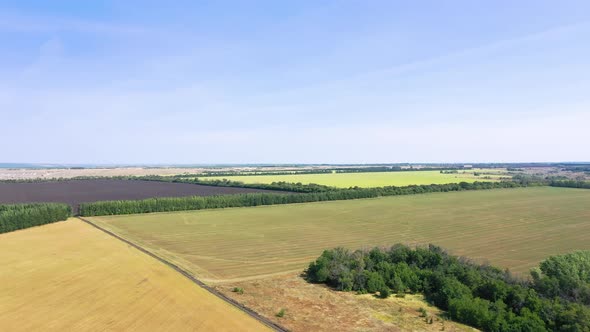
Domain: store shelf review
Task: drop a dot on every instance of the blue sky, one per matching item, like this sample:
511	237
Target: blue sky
294	82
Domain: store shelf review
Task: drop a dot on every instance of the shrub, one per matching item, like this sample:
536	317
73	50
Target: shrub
374	282
384	292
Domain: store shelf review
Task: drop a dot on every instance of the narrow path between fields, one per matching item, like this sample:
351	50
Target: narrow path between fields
199	283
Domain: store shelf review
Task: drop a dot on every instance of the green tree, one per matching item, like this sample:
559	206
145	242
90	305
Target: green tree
375	282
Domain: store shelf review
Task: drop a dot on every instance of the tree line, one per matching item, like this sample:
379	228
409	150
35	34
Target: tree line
370	169
279	185
60	179
570	184
256	199
485	297
553	181
20	216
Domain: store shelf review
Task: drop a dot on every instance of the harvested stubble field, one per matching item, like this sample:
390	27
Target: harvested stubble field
70	276
512	228
369	179
74	192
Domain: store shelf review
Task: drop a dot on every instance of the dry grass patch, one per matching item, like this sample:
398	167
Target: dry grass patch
310	307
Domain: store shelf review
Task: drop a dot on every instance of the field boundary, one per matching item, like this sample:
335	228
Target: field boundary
192	278
246	200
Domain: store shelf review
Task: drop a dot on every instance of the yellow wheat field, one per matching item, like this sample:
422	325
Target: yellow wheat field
69	276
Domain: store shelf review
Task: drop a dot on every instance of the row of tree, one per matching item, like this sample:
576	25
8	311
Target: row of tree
38	180
553	181
280	186
454	171
524	180
485	297
369	169
570	184
255	199
19	216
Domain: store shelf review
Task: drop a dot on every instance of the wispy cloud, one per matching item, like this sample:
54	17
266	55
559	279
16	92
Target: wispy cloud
443	60
477	51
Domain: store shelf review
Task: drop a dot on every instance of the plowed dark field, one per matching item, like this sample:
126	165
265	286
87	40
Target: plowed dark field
75	192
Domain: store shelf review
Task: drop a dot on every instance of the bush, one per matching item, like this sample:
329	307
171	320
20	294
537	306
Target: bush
375	282
471	311
384	293
281	313
566	276
238	290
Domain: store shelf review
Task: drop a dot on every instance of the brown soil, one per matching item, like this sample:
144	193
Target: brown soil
74	192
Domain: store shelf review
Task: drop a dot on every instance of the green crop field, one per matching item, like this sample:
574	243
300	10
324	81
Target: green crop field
514	228
369	179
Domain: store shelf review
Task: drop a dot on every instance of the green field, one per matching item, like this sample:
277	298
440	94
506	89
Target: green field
514	228
369	179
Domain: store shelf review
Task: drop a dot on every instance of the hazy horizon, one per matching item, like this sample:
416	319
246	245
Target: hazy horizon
196	165
336	82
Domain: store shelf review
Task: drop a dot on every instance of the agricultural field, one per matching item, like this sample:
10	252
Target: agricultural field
512	228
24	171
74	192
373	179
67	173
70	276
